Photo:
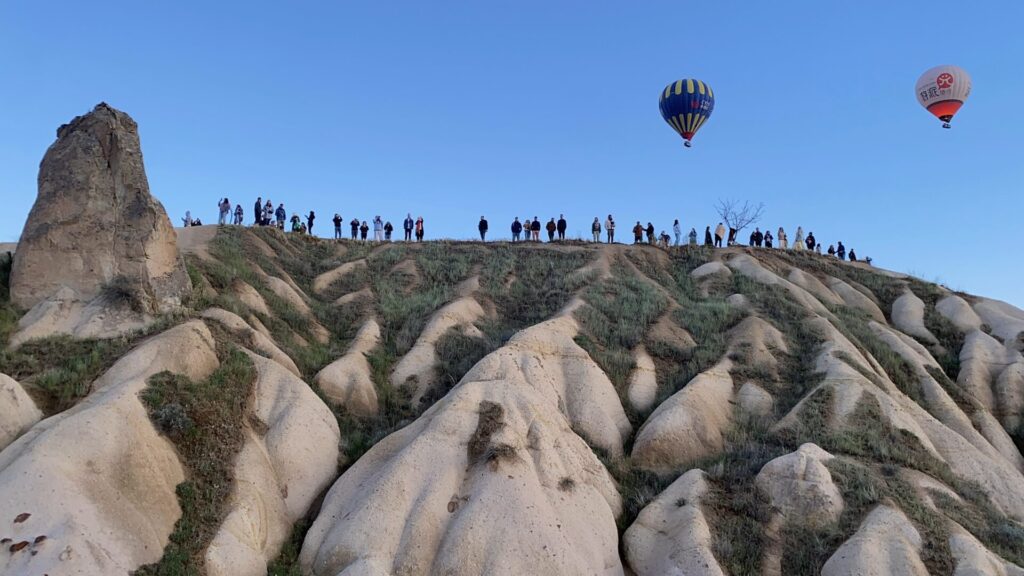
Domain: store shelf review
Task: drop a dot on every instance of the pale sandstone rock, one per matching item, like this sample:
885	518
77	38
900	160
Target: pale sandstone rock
643	382
489	480
925	485
959	312
671	535
418	368
750	267
885	544
1006	321
94	221
248	295
856	299
908	316
738	301
689	425
710	269
109	505
347	381
17	411
324	281
756	341
351	297
1009	396
811	283
547	358
982	360
287	291
285	464
973	559
65	312
195	240
799	486
257	340
754	400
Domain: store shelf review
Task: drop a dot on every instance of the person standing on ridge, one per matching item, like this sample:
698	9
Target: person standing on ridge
562	225
364	231
609	227
831	250
853	255
768	239
707	237
238	214
719	235
517	229
296	223
419	229
378	229
535	229
223	209
388	229
257	212
482	227
310	219
595	229
268	212
638	233
551	227
841	251
693	236
354	224
407	226
811	242
337	226
677	230
280	216
798	242
650	233
783	240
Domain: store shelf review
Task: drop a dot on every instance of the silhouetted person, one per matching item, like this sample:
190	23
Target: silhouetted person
650	233
257	212
535	229
337	226
388	229
841	251
561	226
309	219
355	228
482	227
707	237
551	227
638	233
517	229
768	239
407	225
364	231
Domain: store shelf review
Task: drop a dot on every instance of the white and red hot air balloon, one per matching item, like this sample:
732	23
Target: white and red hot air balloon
942	91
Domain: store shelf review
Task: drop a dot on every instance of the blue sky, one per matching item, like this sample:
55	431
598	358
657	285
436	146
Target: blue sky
451	110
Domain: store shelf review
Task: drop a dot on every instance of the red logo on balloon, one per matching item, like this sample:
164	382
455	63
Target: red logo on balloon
945	80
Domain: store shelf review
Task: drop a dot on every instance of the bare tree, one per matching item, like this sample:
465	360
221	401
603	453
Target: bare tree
738	216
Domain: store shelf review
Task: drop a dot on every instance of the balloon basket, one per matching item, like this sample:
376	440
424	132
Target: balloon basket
946	125
687	144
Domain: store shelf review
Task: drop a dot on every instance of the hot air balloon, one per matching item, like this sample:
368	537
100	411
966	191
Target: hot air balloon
943	90
686	105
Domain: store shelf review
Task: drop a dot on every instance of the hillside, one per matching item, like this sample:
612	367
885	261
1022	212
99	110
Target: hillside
459	408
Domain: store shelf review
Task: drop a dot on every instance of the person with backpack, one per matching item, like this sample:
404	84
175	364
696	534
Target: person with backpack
378	229
535	229
482	228
841	251
638	233
407	226
337	226
677	230
419	229
609	227
561	226
280	215
388	229
517	229
354	225
719	235
296	223
257	212
664	239
364	231
551	227
693	236
595	229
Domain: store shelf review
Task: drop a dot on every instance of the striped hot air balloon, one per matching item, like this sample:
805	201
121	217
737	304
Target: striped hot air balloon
686	105
943	90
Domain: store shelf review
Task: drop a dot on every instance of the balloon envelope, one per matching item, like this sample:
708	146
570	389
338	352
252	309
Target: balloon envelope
686	105
942	90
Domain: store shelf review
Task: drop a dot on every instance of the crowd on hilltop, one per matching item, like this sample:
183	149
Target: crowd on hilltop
529	230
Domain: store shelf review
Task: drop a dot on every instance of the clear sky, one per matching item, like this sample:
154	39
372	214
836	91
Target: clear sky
529	108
